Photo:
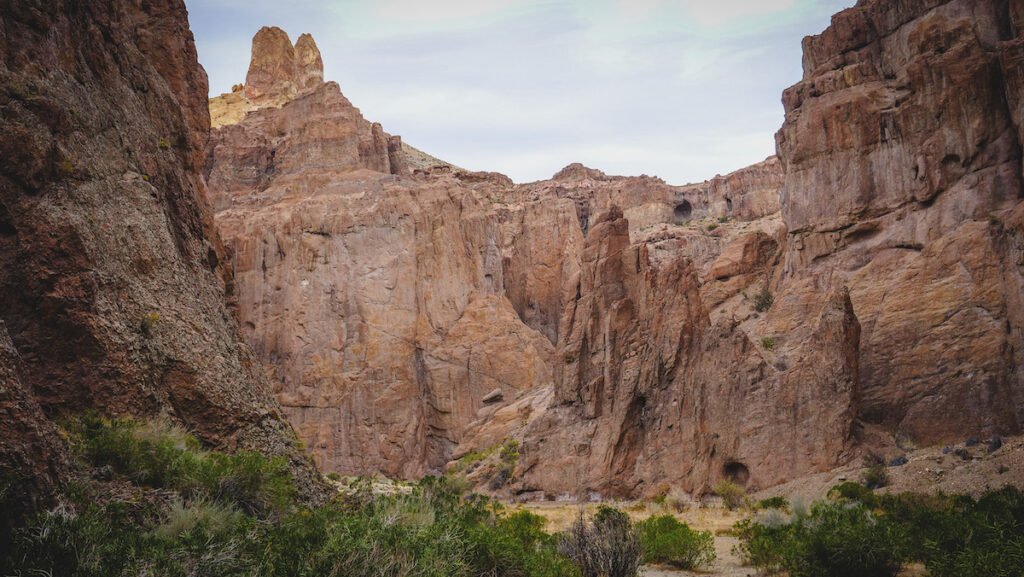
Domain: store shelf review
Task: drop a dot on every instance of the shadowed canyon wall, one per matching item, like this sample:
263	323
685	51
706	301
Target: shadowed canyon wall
112	288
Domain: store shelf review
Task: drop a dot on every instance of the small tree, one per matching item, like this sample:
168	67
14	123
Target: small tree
608	546
875	475
665	540
733	496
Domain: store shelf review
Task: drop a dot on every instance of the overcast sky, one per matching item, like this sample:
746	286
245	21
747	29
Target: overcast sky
681	89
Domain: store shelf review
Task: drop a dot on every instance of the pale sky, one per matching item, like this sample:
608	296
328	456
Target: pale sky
681	89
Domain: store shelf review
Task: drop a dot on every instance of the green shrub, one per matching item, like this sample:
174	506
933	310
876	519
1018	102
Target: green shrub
508	456
66	167
161	456
768	343
951	536
712	226
961	537
875	476
666	541
733	496
835	539
763	300
188	512
854	492
607	546
777	502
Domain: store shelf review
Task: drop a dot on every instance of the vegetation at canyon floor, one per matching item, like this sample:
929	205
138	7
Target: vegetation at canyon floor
857	533
151	501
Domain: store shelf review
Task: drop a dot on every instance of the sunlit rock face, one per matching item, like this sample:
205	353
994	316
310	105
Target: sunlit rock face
862	288
902	150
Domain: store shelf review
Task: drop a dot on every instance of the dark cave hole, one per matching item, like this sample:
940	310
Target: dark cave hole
683	211
736	472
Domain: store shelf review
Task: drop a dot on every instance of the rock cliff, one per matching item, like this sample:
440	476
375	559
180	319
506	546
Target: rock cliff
861	291
902	152
111	272
411	318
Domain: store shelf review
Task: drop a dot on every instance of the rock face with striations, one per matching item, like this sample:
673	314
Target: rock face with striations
902	150
110	267
863	288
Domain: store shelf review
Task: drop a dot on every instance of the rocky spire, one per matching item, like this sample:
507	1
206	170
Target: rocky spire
309	66
278	70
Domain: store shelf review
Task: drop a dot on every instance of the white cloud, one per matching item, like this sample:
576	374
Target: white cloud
721	12
423	12
681	89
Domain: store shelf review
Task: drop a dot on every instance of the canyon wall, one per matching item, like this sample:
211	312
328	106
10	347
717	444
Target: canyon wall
860	292
410	318
902	153
112	286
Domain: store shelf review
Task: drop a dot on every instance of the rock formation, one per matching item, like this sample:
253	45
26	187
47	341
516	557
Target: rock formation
861	290
902	151
394	308
111	274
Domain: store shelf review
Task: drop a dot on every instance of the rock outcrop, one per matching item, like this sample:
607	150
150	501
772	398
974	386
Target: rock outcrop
387	304
32	455
902	152
862	289
651	393
110	267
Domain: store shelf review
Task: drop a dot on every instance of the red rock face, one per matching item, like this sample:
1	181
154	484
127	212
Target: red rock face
652	393
279	70
635	335
388	305
902	151
110	268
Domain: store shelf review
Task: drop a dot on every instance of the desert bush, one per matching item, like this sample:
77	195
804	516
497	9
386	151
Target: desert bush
606	546
160	455
667	541
733	496
763	300
961	537
835	539
875	476
508	456
192	513
854	492
777	502
950	535
768	343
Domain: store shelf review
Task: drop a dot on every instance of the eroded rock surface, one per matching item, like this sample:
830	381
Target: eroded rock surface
902	152
860	290
111	273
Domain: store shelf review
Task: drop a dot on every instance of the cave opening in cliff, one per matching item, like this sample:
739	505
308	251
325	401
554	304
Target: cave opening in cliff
683	211
736	472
